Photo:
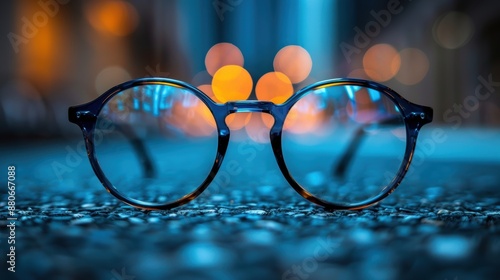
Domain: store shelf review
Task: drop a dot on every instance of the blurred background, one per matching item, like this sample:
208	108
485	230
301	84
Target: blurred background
441	222
58	53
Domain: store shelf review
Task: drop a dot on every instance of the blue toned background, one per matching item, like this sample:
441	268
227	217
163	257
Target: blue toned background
441	223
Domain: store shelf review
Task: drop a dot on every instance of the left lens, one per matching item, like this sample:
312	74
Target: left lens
155	143
344	144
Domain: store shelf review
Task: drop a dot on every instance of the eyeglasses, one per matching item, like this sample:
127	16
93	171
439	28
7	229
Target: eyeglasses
157	143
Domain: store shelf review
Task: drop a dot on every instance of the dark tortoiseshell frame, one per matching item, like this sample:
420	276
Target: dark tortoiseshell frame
85	116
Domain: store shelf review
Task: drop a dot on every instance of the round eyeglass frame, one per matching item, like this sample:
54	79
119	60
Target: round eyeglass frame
415	116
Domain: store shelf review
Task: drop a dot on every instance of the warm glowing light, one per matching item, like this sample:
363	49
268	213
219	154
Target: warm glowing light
222	54
414	66
207	89
109	77
44	52
274	87
238	120
115	17
295	62
305	116
233	121
192	116
267	119
381	62
256	129
453	30
231	83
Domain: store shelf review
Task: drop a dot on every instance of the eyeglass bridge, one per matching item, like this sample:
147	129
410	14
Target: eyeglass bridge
249	106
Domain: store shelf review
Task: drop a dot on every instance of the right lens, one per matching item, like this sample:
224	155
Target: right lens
155	143
345	143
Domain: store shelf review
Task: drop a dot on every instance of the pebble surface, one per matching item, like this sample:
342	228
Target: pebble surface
76	230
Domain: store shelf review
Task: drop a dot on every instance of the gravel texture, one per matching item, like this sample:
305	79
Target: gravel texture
443	222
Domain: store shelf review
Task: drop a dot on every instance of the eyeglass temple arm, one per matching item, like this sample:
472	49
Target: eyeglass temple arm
80	117
139	148
340	168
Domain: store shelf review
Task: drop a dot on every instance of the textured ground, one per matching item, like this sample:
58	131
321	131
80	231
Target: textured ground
443	222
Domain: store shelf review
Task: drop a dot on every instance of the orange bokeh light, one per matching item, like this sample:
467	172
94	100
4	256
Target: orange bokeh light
238	120
194	119
267	119
381	62
256	129
275	87
222	54
207	89
115	17
295	62
305	116
233	121
414	66
231	83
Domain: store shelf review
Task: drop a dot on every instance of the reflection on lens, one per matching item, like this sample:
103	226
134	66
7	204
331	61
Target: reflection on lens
155	143
356	141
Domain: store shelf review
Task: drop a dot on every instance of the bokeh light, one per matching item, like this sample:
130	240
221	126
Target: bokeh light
113	17
238	120
267	120
233	121
453	30
295	62
414	66
305	116
256	129
222	54
110	77
381	62
192	116
232	83
275	87
207	89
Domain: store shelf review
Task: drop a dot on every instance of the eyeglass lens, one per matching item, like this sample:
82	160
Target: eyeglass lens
158	143
344	144
155	143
